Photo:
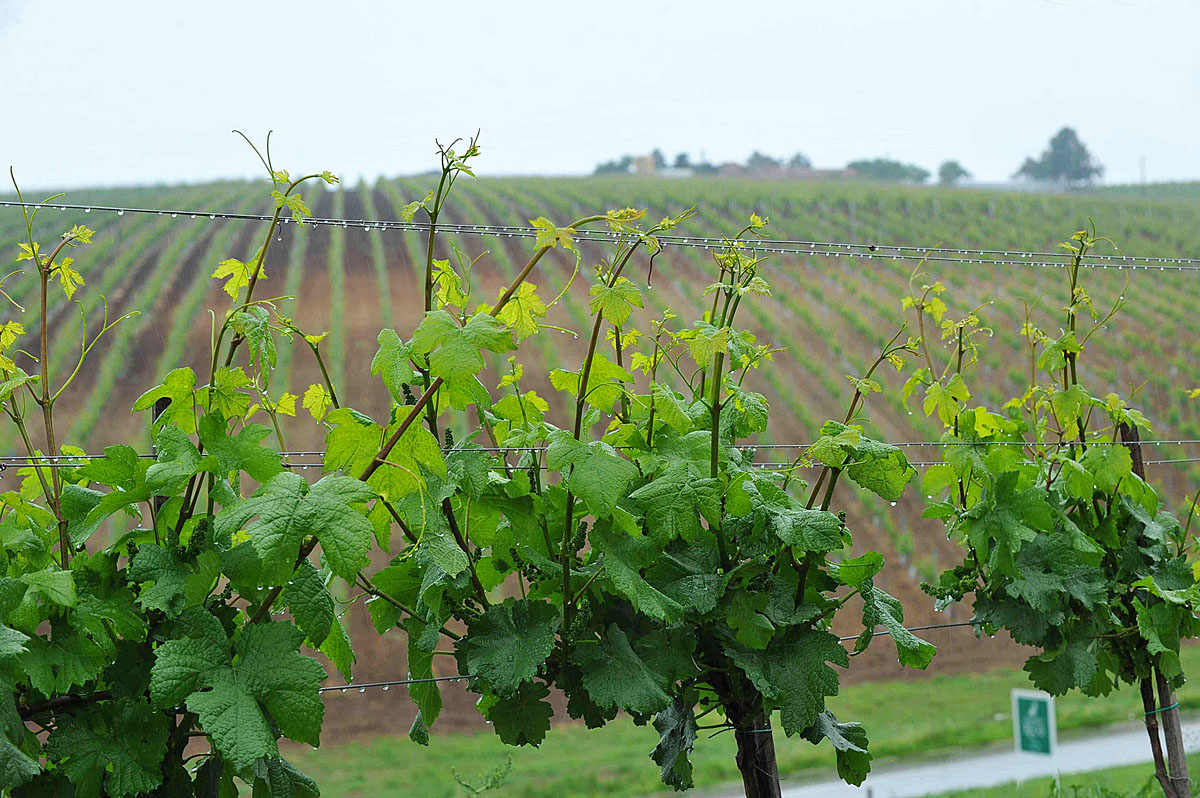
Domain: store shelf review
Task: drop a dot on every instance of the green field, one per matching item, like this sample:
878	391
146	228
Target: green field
1126	782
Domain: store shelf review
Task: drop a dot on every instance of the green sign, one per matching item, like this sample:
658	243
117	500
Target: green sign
1034	730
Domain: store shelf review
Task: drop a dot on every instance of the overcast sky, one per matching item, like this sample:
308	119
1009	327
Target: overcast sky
98	93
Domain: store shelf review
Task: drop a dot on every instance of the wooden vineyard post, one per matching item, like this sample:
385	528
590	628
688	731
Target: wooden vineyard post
756	756
1174	778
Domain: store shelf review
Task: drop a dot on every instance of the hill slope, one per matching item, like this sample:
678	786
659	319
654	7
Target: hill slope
830	315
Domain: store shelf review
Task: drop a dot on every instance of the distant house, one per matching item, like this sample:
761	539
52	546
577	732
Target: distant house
643	166
808	173
782	172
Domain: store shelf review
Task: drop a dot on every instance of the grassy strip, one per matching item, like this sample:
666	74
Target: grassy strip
907	718
1123	781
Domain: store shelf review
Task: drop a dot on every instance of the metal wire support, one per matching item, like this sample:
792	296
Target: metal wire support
829	249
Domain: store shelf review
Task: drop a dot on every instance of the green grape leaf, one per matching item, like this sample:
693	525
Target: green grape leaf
1004	519
791	522
604	382
456	353
522	311
236	274
794	674
119	467
881	609
234	720
286	511
1108	465
615	676
391	364
948	400
229	695
508	643
52	585
744	614
163	578
241	452
16	768
177	460
705	341
675	501
12	643
672	408
227	393
115	752
616	302
426	695
354	440
68	278
310	603
178	387
522	718
677	729
1074	664
744	413
1054	356
855	571
878	467
278	778
849	741
316	400
66	660
881	469
624	557
594	471
551	236
690	576
254	324
181	663
337	647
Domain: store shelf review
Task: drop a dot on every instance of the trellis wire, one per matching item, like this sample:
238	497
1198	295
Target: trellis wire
364	686
54	460
57	462
833	249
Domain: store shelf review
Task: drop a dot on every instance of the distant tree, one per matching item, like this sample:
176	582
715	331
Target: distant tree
1065	161
620	166
704	168
682	161
799	161
757	162
887	169
660	160
950	172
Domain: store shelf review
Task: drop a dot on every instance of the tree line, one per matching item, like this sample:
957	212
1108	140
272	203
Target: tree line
1066	161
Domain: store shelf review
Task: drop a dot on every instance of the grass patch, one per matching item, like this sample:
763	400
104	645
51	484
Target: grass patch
1123	781
904	719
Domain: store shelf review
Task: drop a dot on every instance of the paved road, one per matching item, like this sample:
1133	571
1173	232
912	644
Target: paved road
1125	747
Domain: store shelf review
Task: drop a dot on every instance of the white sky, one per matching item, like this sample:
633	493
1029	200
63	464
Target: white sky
144	92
